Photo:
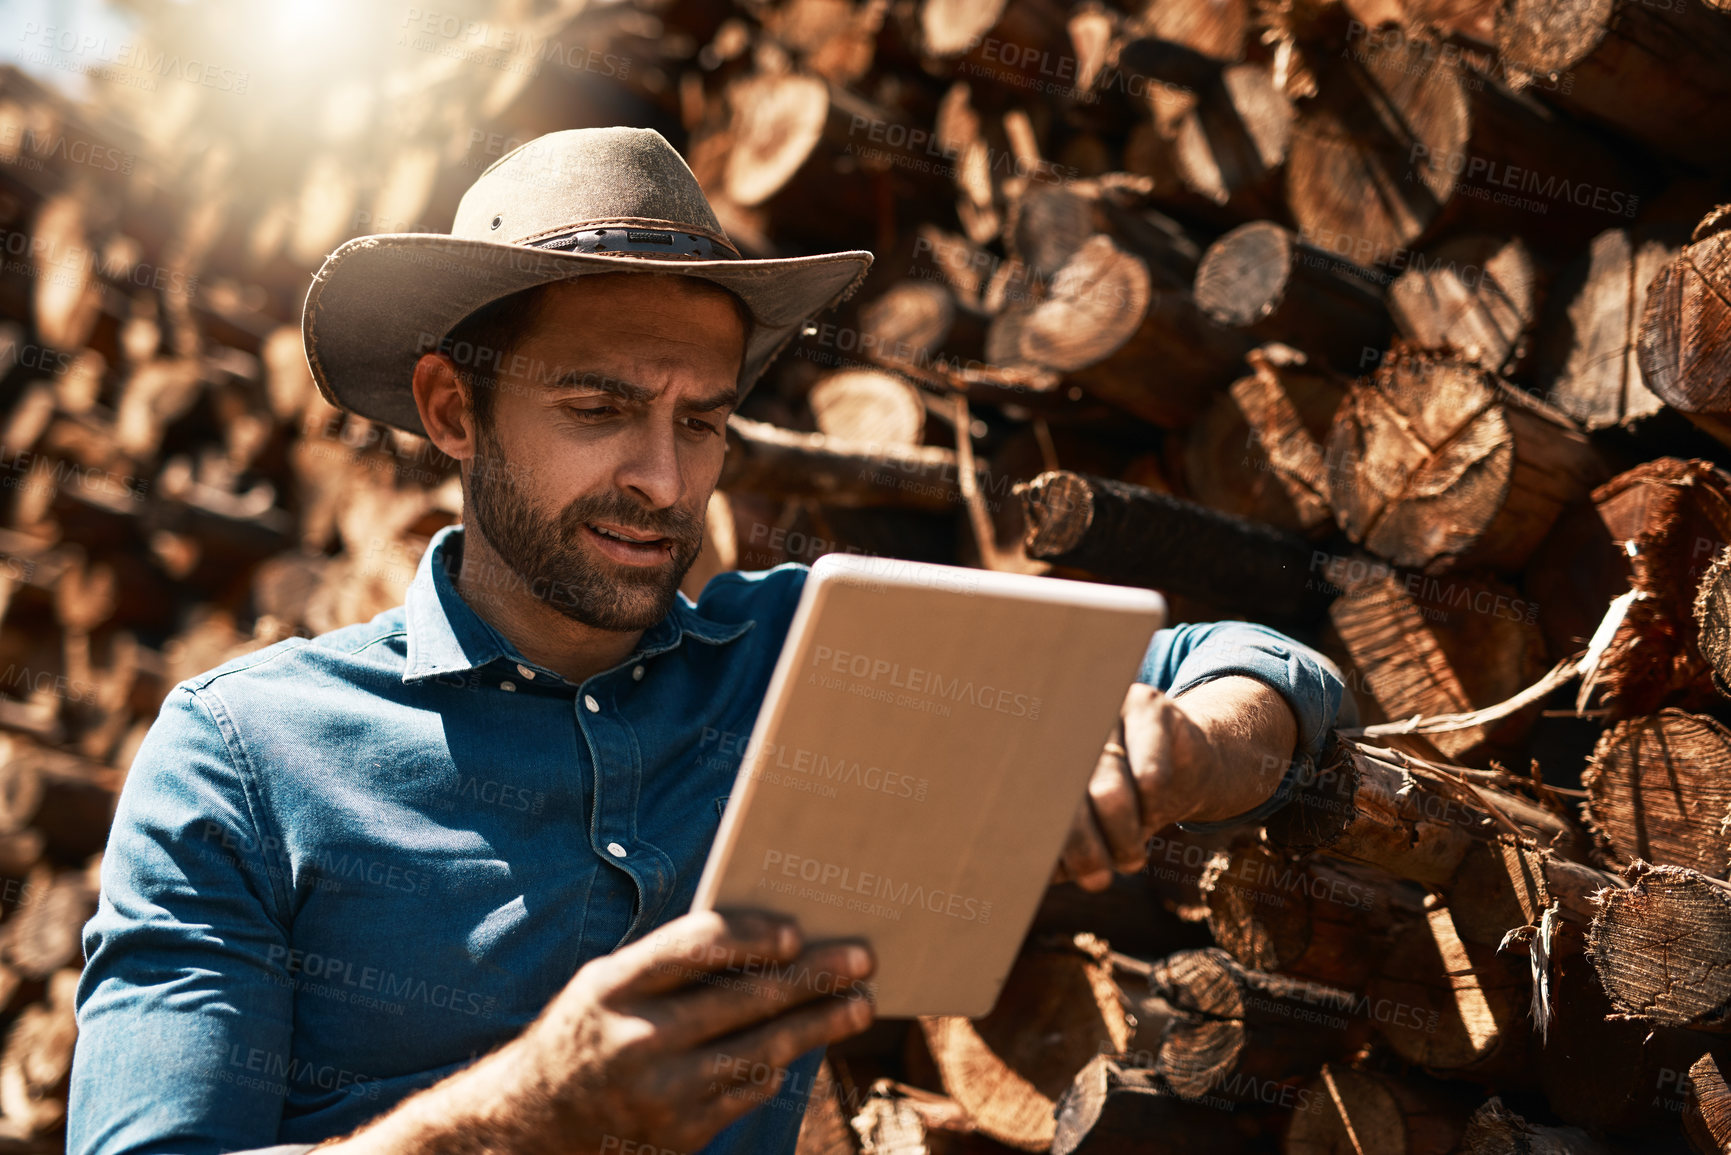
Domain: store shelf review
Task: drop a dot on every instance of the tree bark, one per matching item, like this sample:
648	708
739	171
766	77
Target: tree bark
1365	808
1128	534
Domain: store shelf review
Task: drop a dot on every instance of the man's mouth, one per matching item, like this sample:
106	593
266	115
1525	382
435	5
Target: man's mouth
629	545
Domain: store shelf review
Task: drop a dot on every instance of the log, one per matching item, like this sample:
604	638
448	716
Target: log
764	459
1478	294
1127	534
1658	788
897	1119
1256	452
824	1129
1662	948
1105	319
43	936
1496	1130
1645	71
1438	465
1367	1113
1266	282
868	406
1304	917
1401	142
1415	823
1611	1074
1217	142
1215	31
36	1064
1655	528
1587	360
1114	1109
1454	1006
1429	645
1713	618
1236	1033
1707	1118
1682	346
1058	1009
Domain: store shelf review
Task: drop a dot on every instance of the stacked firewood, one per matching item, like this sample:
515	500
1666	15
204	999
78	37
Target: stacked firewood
1399	325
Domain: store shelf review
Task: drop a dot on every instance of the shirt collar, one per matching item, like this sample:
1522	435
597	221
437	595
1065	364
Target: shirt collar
446	635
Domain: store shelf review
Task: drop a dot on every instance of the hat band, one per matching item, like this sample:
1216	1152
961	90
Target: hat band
638	242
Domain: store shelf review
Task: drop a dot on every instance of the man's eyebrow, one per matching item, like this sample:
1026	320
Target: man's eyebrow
604	384
726	399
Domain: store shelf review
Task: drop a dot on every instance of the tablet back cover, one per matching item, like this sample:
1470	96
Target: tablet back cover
923	746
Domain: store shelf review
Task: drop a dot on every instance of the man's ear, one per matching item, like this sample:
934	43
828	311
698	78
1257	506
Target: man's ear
443	404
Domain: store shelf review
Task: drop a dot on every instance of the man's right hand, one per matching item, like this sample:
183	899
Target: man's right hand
665	1041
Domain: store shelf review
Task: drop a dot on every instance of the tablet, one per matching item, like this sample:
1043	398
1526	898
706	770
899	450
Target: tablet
925	741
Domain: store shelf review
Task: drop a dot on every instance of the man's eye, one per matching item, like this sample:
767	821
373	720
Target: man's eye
699	425
593	411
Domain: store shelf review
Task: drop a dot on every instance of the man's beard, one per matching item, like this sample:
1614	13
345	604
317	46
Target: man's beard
549	557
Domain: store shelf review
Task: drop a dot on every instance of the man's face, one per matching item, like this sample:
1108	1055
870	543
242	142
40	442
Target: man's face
607	434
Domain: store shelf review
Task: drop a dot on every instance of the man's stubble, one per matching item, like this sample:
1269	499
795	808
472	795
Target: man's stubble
547	554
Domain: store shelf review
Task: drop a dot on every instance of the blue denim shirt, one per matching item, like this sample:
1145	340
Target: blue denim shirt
343	868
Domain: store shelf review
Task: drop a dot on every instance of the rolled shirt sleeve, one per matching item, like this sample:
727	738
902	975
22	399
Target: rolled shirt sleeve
1186	656
184	1007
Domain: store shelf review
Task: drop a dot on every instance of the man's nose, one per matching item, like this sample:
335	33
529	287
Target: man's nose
651	465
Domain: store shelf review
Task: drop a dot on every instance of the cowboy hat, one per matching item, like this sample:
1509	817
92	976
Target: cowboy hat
568	204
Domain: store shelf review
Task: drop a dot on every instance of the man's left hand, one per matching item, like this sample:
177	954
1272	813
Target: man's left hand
1216	750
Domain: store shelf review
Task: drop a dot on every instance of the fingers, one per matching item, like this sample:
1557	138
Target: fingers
746	1070
695	945
729	1002
1117	805
1085	856
776	1043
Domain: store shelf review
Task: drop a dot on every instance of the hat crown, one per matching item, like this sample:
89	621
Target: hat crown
583	176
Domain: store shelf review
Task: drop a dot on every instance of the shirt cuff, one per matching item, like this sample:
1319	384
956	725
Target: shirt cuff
1307	681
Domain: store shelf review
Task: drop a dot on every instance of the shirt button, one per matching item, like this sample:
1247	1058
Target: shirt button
591	703
616	850
637	674
507	685
526	671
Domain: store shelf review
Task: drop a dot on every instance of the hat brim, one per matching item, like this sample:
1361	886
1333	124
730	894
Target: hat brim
379	302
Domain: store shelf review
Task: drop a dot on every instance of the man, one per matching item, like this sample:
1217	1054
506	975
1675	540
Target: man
417	885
